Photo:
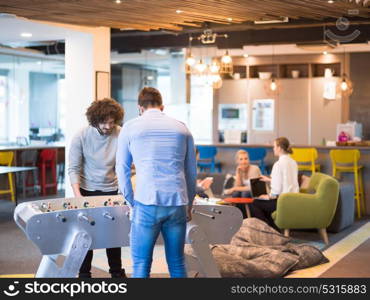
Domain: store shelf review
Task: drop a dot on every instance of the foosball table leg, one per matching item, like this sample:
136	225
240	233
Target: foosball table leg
51	266
201	248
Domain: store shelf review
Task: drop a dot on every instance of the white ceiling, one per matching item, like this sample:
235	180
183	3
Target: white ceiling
12	27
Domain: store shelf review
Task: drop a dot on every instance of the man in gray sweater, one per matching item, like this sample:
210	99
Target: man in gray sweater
92	160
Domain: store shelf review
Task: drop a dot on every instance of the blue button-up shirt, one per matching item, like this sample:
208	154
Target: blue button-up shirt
163	152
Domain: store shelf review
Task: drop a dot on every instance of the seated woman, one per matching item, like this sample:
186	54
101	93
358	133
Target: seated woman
284	179
244	172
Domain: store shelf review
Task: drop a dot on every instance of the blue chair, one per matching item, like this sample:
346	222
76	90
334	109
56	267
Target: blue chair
207	160
257	156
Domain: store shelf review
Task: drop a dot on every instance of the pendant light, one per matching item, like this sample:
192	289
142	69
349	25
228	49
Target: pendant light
210	70
346	85
273	83
190	60
226	63
200	67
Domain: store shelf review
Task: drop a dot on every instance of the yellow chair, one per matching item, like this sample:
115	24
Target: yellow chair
306	159
6	159
346	161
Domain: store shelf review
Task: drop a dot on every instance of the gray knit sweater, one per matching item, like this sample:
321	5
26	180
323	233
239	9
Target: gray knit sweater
92	159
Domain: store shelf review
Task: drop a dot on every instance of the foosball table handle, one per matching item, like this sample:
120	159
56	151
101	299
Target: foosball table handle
108	216
83	217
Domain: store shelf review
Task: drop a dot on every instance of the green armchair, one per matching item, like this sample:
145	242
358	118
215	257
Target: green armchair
309	210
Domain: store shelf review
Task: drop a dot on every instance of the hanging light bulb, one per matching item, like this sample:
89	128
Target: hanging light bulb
214	67
226	58
344	85
273	85
216	81
200	66
190	60
226	64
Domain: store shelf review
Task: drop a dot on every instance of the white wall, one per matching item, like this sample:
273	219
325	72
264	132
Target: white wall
301	112
178	80
325	114
293	110
86	53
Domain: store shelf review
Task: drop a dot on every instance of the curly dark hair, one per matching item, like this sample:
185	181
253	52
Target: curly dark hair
101	110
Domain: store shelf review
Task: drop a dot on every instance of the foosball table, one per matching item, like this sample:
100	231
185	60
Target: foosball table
65	229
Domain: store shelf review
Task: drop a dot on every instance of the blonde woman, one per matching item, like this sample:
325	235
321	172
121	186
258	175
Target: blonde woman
244	172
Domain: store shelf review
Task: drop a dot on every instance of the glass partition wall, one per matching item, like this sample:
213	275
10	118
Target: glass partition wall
31	99
166	72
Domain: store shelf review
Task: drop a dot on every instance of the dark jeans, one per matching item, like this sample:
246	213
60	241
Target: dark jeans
262	209
113	254
241	206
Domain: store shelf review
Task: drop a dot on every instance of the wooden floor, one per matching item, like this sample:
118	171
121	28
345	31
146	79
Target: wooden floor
348	257
349	252
355	264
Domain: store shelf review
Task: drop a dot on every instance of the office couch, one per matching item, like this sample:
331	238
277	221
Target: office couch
345	212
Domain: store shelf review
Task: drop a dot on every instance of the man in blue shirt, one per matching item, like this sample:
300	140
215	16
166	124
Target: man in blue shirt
162	150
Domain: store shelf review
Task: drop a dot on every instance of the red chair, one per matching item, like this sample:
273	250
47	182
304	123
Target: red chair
28	179
47	161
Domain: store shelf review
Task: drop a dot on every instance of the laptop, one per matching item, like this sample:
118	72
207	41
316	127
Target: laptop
258	188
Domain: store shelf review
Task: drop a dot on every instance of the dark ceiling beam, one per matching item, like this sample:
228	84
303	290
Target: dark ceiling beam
237	39
298	23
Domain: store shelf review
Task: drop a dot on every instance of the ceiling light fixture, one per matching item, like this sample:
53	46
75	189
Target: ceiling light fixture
229	19
246	55
118	1
325	53
209	37
179	11
344	84
200	67
330	1
211	70
190	60
26	34
269	21
226	58
226	64
273	85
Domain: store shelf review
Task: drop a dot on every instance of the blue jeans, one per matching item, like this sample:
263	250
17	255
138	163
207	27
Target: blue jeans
147	222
